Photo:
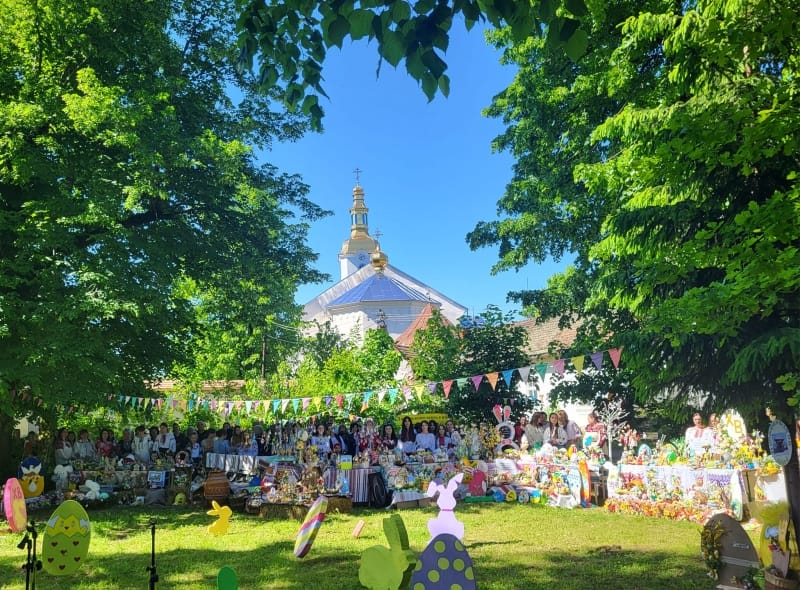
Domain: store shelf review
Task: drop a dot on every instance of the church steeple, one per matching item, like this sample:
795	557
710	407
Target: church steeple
359	247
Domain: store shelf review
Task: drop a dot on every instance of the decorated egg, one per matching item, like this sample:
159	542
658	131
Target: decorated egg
310	527
14	506
589	439
445	563
227	579
523	497
31	481
66	539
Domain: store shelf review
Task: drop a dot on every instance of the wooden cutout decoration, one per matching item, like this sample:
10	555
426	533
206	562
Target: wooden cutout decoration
66	539
219	526
388	569
32	482
14	505
227	579
780	443
736	552
446	521
310	527
445	563
780	559
359	527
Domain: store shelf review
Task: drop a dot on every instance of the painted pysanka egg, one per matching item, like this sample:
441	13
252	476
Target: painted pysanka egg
66	539
444	565
14	506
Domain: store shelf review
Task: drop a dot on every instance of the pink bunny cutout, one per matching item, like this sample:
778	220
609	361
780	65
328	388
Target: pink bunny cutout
445	521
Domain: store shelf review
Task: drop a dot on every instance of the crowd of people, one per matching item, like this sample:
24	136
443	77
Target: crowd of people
146	445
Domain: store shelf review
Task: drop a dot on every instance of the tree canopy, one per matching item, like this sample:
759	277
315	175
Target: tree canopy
131	197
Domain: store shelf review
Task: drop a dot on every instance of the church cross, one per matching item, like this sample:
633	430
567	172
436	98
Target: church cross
358	172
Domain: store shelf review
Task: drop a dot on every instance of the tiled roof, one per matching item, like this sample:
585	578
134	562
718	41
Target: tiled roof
404	340
378	287
541	335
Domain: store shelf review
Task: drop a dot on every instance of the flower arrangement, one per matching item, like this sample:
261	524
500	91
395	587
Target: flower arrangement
711	546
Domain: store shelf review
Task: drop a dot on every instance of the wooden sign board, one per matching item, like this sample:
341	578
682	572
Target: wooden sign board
733	423
737	551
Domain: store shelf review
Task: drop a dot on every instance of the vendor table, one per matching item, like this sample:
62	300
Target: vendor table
241	463
357	479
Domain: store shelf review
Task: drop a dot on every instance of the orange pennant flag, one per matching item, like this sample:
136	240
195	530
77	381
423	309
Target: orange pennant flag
492	377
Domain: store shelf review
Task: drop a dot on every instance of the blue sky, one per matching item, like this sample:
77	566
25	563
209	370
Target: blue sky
428	171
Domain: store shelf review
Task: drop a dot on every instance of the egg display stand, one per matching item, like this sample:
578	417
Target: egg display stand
32	564
152	567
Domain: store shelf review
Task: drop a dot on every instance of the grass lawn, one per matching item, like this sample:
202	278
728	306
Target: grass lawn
513	547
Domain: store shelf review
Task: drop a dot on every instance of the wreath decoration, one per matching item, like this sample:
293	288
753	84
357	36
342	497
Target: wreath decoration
711	546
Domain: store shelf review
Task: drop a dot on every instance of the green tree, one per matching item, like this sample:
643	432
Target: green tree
435	350
130	193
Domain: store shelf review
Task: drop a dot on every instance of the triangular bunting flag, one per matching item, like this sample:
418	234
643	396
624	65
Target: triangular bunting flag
339	401
328	401
578	362
127	399
462	382
295	404
419	389
446	386
508	375
597	359
365	401
541	370
407	393
615	353
381	395
524	373
392	394
492	378
558	366
476	381
432	387
284	404
318	402
159	402
248	406
275	404
306	402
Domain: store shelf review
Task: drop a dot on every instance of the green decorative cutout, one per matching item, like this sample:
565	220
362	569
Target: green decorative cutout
389	569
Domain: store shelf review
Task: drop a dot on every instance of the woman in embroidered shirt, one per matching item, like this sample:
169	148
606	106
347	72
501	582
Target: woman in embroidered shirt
388	438
105	446
598	430
555	434
320	440
698	438
63	448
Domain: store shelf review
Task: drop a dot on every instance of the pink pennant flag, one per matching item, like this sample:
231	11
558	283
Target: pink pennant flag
615	353
558	366
578	361
597	359
239	404
447	386
339	401
159	403
306	402
492	377
407	393
476	381
213	405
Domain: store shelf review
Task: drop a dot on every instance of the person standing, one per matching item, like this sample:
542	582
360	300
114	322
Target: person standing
571	429
699	439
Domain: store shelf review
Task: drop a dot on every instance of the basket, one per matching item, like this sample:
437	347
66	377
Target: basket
773	582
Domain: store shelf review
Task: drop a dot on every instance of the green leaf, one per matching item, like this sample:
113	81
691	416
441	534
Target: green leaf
434	63
337	31
424	6
444	85
577	44
566	28
576	7
393	47
429	86
360	23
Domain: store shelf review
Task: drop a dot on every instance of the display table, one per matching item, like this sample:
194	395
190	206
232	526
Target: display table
242	463
357	480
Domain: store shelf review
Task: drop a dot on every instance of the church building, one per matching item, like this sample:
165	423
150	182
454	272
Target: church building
372	293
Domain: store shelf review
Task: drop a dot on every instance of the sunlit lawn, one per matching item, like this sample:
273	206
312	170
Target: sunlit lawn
512	547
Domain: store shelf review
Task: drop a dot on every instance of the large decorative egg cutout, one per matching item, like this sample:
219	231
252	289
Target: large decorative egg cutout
444	565
14	506
66	539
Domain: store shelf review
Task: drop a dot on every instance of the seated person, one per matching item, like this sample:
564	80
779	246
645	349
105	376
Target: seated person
221	444
84	448
425	440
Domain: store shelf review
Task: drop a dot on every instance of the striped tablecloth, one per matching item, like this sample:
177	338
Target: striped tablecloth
357	479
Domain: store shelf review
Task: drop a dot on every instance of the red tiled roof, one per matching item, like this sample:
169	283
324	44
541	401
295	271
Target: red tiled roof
404	340
541	335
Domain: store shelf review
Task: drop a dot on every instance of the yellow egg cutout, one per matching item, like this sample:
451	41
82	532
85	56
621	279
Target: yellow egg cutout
66	539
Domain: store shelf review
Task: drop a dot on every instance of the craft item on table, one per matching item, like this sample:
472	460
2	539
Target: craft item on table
477	485
180	499
736	495
669	454
523	496
66	539
575	483
32	482
14	505
586	492
219	526
644	453
61	475
780	443
216	486
445	563
227	579
310	527
358	528
733	424
91	489
388	569
505	429
770	515
445	521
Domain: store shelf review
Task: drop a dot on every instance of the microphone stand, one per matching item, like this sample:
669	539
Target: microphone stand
32	565
152	567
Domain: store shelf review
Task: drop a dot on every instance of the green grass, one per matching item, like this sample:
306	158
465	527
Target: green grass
513	547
